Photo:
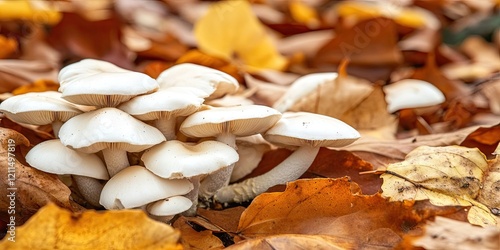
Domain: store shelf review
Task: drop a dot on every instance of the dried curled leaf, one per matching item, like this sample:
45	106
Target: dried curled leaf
61	229
30	187
446	176
227	29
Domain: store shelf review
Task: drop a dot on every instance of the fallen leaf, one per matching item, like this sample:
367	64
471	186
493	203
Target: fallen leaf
304	14
62	229
491	185
484	138
370	46
446	176
25	10
15	73
40	85
196	239
295	241
227	28
444	233
8	45
332	207
380	152
492	90
76	36
30	188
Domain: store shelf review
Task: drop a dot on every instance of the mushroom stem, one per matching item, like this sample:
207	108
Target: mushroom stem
167	127
116	160
193	196
89	188
56	125
288	170
220	178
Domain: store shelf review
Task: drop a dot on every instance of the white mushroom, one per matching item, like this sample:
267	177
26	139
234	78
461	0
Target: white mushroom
175	159
87	169
102	84
225	123
250	149
309	132
136	186
112	131
411	93
166	209
40	108
164	106
215	82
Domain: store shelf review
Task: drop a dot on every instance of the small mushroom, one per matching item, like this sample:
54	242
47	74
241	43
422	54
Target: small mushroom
214	82
309	132
225	123
175	159
166	209
40	108
112	131
102	84
87	169
136	186
164	106
411	93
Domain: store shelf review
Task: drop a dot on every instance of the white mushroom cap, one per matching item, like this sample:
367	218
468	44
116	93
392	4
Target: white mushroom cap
175	159
39	108
108	128
303	128
170	206
238	120
216	83
136	186
301	88
170	102
53	157
99	83
411	93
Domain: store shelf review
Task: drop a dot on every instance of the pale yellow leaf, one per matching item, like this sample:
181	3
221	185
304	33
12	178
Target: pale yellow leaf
446	176
229	28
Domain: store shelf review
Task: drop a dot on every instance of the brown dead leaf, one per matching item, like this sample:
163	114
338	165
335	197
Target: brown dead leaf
295	241
370	46
167	49
123	229
76	36
195	239
8	45
484	138
31	188
492	91
226	220
33	135
331	207
15	73
481	52
444	233
491	185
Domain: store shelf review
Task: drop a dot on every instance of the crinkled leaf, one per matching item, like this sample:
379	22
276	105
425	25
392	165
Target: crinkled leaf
446	176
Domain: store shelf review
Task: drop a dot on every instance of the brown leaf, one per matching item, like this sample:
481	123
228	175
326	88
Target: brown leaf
76	36
370	46
331	207
193	239
295	241
31	188
486	139
8	45
198	57
445	233
62	229
226	220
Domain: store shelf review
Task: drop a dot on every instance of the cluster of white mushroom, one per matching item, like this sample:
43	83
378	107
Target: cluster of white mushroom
103	111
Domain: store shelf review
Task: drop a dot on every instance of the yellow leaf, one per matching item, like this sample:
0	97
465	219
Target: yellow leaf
230	27
302	13
446	176
39	85
56	228
363	10
35	11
